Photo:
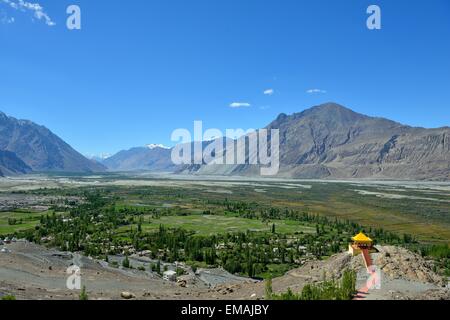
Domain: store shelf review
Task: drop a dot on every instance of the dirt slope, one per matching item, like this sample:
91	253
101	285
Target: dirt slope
29	271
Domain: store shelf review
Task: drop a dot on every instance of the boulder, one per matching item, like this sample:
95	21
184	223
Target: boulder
127	295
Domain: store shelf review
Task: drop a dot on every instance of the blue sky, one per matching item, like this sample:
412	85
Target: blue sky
139	69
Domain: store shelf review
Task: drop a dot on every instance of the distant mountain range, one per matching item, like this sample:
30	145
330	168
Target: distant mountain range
325	142
331	142
26	146
148	158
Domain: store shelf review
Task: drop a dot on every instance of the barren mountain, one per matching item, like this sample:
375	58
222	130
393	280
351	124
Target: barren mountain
331	141
39	149
149	158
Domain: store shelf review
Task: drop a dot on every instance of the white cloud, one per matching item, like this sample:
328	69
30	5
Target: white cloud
312	91
11	4
269	92
4	19
240	105
35	8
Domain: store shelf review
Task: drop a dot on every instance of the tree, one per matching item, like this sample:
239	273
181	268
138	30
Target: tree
326	290
180	272
126	262
83	294
158	267
269	289
273	228
348	285
307	293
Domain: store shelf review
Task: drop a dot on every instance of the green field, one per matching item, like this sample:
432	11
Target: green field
28	221
416	208
210	225
427	217
253	228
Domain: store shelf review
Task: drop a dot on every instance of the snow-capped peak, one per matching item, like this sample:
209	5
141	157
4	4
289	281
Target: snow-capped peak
155	146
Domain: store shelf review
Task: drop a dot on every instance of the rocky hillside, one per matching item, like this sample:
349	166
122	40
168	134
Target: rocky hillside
331	141
33	272
399	263
10	164
39	149
404	275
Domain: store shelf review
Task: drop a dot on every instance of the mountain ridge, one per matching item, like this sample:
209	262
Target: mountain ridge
40	149
330	141
156	158
327	141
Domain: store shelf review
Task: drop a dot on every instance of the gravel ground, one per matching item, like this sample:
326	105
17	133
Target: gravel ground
30	271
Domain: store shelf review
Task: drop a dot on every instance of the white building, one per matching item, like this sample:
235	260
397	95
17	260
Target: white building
170	275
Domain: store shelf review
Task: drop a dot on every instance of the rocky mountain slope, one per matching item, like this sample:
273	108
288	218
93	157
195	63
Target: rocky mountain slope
39	149
331	141
149	158
10	164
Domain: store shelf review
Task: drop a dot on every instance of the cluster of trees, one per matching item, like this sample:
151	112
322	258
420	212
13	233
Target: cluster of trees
247	253
345	289
440	254
254	211
95	227
438	251
87	228
91	228
14	221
